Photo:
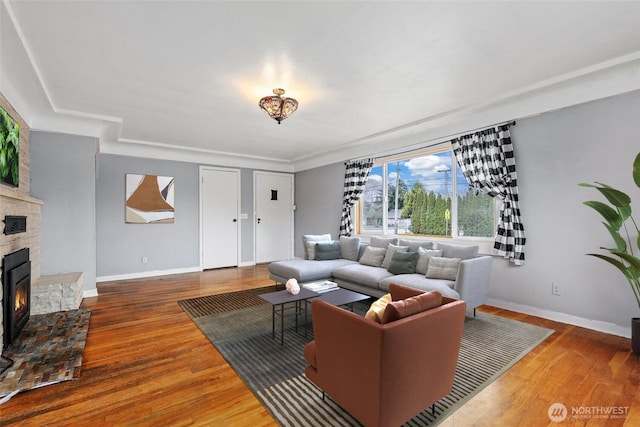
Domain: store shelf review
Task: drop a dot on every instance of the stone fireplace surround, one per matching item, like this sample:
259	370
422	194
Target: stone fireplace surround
48	293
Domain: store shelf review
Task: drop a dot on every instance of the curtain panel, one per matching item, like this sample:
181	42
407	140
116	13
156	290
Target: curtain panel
487	161
355	178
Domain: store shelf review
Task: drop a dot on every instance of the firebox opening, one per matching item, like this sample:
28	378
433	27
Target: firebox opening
16	302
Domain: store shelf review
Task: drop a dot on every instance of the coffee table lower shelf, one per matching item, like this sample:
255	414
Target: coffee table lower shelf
280	299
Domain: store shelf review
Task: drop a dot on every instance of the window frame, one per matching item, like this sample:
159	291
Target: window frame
384	162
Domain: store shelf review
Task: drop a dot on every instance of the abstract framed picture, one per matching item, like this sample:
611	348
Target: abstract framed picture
149	199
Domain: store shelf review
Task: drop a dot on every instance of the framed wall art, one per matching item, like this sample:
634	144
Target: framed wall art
149	199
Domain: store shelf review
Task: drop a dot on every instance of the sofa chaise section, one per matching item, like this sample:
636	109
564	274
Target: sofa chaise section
304	270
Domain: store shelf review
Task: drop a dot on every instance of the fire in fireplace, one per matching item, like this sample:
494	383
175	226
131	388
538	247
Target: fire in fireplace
16	279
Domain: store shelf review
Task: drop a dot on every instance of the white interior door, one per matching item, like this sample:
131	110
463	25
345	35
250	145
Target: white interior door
273	195
219	217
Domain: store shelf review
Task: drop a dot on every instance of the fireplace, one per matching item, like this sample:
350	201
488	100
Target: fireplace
16	279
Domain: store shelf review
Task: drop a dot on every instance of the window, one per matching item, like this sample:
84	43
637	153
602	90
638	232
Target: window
424	195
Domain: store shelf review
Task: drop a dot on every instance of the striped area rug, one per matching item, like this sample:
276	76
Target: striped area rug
490	346
219	303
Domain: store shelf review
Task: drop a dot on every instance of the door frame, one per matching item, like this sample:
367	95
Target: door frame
255	210
238	173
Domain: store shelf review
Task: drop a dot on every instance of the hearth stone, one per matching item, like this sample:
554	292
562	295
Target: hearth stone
59	292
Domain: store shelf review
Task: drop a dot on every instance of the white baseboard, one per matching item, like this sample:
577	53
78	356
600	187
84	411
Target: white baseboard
247	264
90	293
144	274
596	325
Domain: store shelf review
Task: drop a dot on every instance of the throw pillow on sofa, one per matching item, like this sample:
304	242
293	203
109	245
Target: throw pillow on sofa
382	242
400	309
349	248
414	244
373	256
443	268
403	263
424	257
377	308
458	251
391	249
309	243
326	251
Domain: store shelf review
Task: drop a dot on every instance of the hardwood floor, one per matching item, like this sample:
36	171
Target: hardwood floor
146	363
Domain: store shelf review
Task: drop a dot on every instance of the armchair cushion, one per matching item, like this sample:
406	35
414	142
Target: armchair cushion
400	309
377	308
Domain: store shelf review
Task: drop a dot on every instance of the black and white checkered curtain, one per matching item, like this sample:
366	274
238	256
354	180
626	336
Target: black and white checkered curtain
355	178
487	161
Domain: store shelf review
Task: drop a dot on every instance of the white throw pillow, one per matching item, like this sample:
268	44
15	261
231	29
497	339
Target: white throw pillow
309	242
443	268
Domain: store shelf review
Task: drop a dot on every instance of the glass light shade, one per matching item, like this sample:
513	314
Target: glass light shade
277	107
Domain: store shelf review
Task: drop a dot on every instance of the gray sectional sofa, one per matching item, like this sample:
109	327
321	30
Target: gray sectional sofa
455	271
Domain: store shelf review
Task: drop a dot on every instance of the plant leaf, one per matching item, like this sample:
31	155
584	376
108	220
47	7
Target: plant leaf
636	171
616	197
621	244
610	215
613	261
632	260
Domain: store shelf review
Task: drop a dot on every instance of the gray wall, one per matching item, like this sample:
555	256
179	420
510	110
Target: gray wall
596	141
62	171
246	207
318	203
121	246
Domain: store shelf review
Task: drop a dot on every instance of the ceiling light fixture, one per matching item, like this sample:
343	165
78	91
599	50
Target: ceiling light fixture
277	107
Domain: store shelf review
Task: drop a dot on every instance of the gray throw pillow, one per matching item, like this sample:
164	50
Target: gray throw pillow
349	248
458	251
373	256
325	251
391	249
382	242
415	244
403	263
443	268
423	259
309	243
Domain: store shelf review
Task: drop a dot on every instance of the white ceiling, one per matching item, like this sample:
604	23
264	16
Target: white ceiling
182	79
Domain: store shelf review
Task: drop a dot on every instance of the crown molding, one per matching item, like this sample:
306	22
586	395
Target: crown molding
155	150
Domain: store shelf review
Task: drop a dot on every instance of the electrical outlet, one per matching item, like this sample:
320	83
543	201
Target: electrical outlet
144	259
555	289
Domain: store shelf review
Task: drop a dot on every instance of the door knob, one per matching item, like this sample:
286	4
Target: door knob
235	220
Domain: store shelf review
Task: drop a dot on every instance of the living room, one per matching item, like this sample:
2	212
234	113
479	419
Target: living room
581	129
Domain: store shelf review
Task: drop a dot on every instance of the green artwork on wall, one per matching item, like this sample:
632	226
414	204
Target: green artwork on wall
9	149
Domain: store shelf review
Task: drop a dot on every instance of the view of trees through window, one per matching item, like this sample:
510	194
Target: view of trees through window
426	195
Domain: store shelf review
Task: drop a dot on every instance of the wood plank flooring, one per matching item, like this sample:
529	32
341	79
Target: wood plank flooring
146	363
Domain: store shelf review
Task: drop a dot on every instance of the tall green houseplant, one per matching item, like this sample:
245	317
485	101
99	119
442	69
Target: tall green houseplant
622	226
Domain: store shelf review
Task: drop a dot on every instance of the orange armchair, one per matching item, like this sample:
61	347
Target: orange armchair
385	374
